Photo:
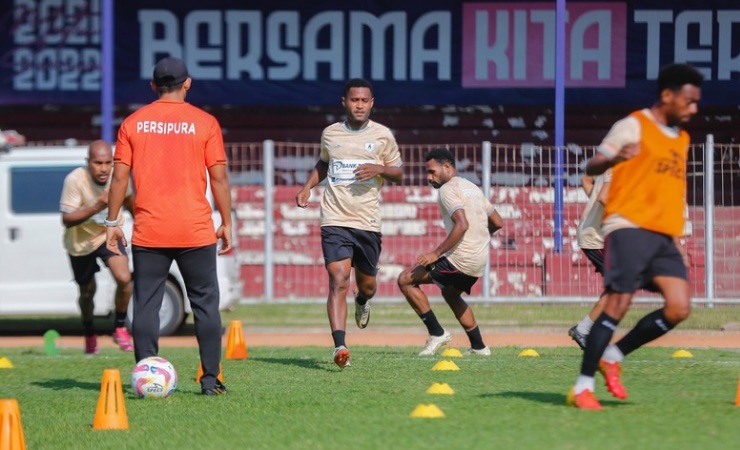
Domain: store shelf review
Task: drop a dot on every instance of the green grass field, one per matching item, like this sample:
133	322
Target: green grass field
296	398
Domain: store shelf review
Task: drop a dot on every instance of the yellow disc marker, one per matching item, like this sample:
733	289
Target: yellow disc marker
445	365
440	388
429	411
5	363
682	354
452	353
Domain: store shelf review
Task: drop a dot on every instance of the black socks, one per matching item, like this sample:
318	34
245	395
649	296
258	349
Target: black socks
433	326
88	329
649	328
338	337
476	340
120	320
596	342
360	299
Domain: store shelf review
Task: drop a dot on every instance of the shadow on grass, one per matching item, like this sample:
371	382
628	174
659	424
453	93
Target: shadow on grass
306	363
68	326
544	397
66	383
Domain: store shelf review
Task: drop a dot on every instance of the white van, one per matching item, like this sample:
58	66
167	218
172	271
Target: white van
35	273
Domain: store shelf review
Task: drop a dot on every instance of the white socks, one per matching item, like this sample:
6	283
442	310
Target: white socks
584	383
612	354
584	326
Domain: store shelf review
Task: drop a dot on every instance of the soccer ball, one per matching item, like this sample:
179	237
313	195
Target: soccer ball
154	377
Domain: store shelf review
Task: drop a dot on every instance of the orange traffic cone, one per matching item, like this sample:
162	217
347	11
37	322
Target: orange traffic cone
220	376
236	348
737	396
111	411
11	431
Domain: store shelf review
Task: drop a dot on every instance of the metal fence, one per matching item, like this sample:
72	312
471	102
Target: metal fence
535	256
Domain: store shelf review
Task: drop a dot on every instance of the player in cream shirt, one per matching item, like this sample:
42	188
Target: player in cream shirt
84	207
357	157
591	243
459	260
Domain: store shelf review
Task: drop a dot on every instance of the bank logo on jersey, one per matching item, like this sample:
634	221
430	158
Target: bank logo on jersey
342	171
370	146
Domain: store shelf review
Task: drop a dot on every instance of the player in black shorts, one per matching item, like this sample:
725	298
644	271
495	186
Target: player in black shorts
591	241
456	263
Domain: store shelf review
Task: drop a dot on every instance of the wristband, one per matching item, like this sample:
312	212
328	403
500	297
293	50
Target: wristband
110	223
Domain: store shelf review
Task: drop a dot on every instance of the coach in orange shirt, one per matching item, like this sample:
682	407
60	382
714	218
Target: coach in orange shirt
643	221
169	147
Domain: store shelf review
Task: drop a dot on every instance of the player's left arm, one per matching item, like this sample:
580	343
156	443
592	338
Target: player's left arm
392	169
459	227
495	222
390	164
393	173
620	144
116	196
219	177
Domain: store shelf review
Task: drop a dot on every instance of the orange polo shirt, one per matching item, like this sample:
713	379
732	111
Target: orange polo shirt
169	146
650	189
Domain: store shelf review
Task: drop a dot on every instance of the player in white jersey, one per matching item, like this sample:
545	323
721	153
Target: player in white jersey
459	260
357	157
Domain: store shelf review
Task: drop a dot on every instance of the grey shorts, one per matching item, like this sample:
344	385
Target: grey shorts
361	246
634	256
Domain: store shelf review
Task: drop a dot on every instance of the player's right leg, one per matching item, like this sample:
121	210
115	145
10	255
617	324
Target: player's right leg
119	268
466	318
409	281
84	269
87	306
152	266
336	308
198	268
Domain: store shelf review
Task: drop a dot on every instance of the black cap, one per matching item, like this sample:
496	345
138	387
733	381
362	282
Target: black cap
170	72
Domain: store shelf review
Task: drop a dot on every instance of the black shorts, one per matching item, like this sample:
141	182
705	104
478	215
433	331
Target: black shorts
85	267
360	246
596	256
444	274
634	256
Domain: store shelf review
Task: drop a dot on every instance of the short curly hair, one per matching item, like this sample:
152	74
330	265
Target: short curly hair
357	82
441	155
675	76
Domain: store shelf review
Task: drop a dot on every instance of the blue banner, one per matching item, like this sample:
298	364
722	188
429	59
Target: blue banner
436	52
